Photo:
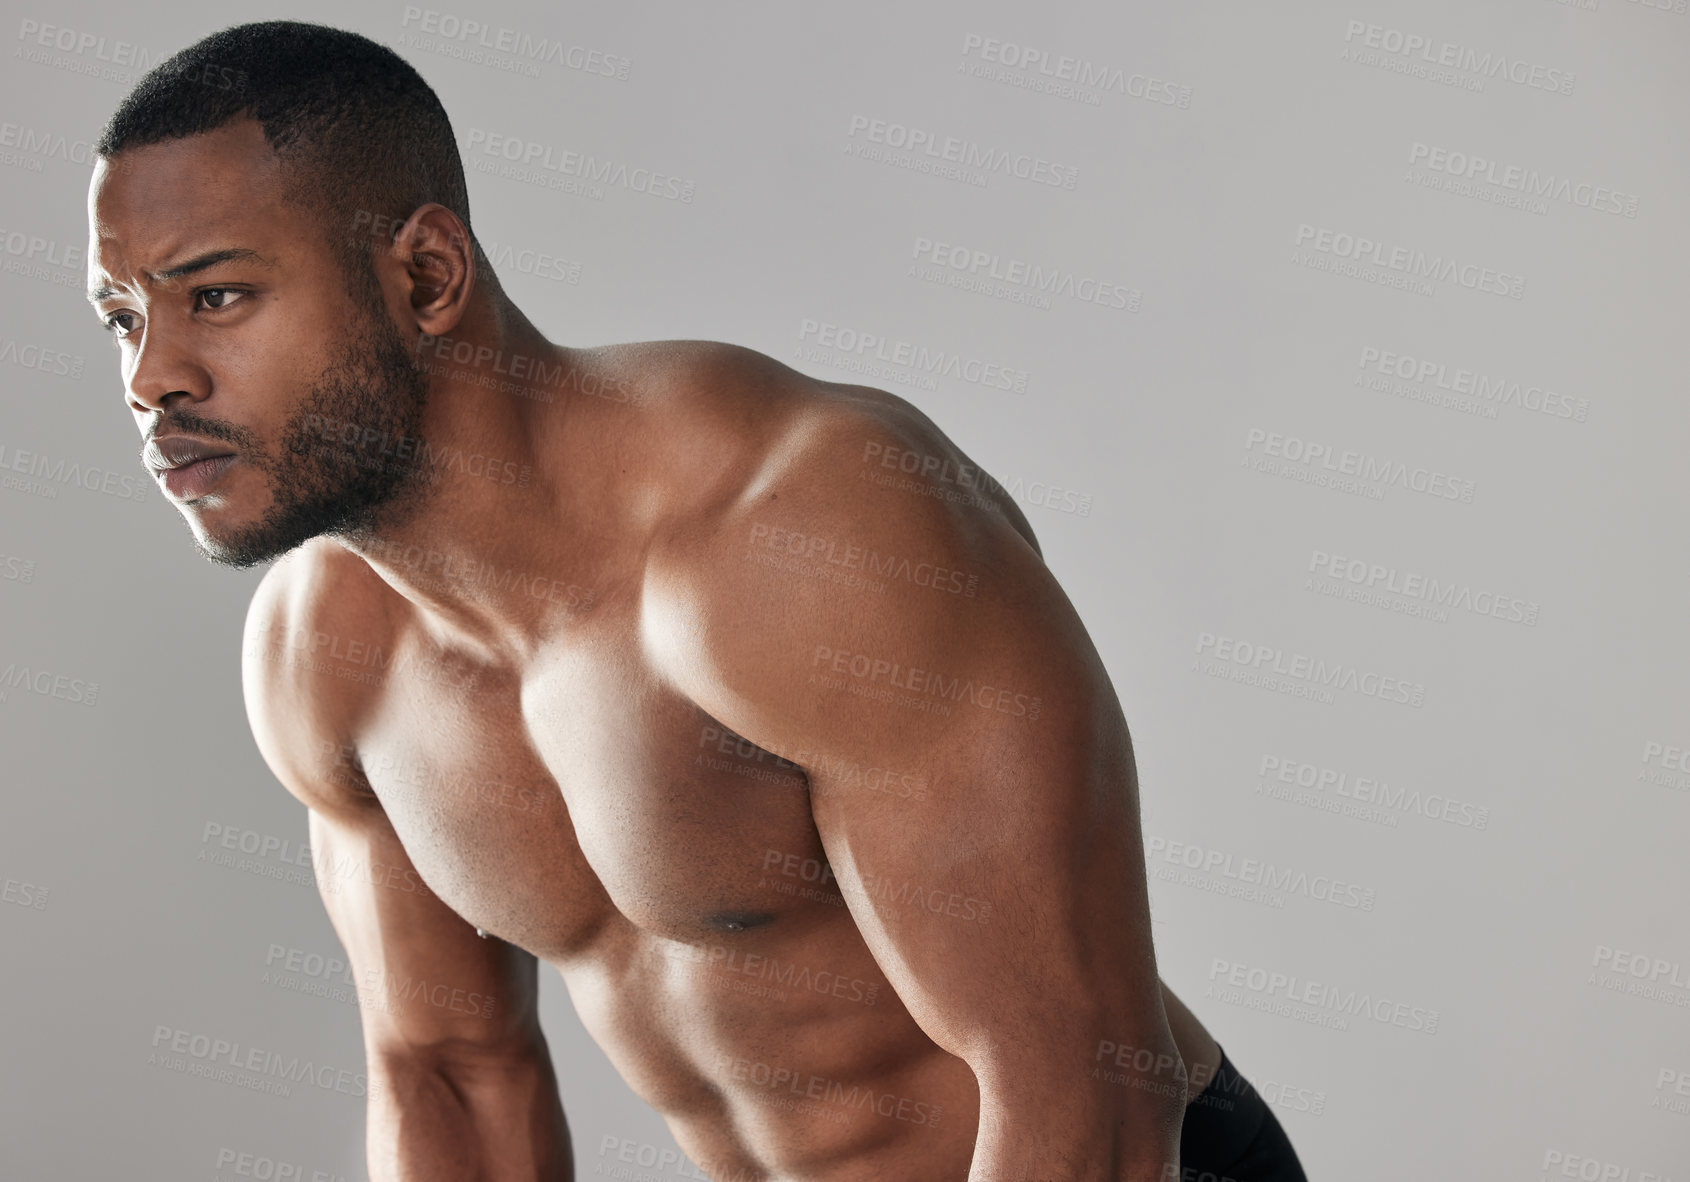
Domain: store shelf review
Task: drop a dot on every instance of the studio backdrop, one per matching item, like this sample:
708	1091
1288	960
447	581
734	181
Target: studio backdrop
1332	349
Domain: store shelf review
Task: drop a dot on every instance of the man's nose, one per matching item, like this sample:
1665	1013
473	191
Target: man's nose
161	368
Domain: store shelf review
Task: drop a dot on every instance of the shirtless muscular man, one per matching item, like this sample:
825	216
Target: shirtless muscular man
743	699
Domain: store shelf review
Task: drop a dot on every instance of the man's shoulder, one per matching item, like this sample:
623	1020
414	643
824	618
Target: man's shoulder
851	456
863	559
714	385
313	607
847	506
319	587
745	422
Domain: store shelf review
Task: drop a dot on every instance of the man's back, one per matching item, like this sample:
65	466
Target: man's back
573	797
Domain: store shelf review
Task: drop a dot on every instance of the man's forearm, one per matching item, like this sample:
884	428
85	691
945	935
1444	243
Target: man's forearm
1053	1143
479	1118
1078	1122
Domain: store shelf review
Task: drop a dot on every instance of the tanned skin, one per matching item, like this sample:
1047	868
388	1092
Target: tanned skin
610	713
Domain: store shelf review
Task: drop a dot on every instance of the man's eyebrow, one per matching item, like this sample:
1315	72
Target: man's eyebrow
210	259
198	263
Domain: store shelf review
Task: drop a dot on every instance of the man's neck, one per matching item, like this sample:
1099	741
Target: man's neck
487	541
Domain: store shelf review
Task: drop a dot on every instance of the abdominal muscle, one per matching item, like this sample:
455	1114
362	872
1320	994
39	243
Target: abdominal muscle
788	1056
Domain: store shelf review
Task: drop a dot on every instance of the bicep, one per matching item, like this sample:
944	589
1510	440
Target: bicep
1007	899
429	988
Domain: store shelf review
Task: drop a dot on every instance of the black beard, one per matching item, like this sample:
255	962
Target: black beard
344	466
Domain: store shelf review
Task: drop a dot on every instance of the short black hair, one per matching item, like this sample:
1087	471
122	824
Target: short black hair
360	134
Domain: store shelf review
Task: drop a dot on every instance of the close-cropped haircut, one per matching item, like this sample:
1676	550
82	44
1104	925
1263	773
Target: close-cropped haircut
359	133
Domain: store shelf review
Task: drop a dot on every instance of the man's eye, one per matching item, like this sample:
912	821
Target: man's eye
114	323
217	297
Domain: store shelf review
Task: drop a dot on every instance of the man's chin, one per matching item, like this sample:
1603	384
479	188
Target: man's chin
290	523
246	546
242	554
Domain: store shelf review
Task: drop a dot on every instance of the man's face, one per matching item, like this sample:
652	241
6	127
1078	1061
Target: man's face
270	396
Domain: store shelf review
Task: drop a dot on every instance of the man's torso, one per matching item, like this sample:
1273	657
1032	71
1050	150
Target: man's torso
576	805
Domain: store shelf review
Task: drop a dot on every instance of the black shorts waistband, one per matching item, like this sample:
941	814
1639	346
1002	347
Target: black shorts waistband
1222	1119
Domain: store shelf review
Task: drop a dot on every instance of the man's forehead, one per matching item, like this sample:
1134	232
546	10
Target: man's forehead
226	166
152	207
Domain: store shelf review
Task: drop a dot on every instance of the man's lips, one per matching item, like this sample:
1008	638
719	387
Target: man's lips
176	451
192	481
187	467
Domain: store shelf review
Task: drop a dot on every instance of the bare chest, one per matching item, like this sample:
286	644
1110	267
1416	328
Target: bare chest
584	797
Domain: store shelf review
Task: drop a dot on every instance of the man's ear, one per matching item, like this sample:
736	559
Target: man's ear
436	264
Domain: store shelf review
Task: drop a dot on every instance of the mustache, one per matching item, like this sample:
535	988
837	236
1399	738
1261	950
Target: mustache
186	422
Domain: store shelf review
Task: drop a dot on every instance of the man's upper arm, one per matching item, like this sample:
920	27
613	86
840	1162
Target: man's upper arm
429	989
850	626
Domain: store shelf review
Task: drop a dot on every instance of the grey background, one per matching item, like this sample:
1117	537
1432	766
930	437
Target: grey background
118	920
